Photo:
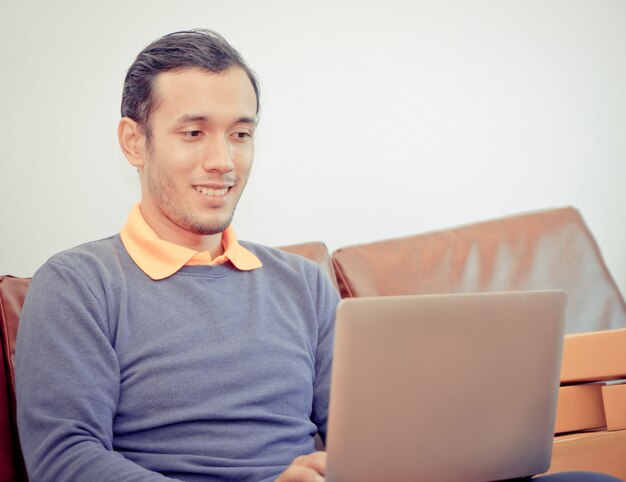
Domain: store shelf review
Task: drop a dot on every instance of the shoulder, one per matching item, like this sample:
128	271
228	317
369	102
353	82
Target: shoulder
277	260
275	255
75	284
94	253
296	271
99	260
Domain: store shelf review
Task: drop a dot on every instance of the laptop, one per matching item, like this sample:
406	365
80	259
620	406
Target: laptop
457	387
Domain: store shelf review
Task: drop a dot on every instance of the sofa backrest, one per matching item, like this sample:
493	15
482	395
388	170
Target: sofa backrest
541	250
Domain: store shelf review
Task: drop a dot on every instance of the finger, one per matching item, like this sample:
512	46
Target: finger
300	473
315	461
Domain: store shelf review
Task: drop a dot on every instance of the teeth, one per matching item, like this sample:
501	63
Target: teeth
207	191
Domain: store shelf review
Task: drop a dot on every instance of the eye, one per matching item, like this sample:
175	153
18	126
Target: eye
242	135
193	133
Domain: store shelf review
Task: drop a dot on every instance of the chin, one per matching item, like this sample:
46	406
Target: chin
206	228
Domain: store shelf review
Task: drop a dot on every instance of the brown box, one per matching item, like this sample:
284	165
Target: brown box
589	357
603	452
614	397
580	407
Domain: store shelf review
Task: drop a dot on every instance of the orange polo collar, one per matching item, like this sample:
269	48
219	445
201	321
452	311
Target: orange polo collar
159	258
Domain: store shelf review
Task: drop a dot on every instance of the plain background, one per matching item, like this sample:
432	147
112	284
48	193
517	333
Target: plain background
379	118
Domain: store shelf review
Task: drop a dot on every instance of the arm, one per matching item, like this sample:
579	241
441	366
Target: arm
312	467
67	383
327	299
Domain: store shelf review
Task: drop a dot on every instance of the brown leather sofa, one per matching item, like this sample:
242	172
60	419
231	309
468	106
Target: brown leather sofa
12	293
549	249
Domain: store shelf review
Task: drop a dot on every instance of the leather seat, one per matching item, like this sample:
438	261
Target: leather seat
541	250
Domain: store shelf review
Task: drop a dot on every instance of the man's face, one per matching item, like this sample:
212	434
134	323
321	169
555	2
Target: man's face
198	158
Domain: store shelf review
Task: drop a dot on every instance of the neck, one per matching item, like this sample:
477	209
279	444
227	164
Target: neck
169	231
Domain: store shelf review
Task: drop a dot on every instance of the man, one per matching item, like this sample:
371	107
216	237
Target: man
172	350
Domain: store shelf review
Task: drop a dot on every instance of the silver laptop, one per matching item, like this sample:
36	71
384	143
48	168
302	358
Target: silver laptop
433	388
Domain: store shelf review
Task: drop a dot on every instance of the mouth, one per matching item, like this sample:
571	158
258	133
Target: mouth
210	192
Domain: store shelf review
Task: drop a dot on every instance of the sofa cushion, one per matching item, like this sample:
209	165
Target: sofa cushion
541	250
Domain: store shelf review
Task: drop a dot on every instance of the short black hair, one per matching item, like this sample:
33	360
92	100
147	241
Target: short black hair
199	48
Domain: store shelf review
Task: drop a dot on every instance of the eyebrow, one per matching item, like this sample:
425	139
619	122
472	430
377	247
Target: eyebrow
188	118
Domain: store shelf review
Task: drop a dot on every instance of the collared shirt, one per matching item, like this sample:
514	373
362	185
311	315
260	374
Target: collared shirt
160	259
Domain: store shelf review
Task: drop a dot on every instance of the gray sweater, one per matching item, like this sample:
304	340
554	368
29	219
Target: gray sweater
210	374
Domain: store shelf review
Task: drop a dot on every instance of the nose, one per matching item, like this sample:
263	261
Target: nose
218	156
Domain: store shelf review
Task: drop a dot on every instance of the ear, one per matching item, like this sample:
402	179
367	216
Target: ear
132	141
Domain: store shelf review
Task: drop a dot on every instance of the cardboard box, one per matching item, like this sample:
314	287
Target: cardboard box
603	452
580	407
614	397
589	357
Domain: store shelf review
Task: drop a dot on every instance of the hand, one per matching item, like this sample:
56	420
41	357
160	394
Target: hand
306	468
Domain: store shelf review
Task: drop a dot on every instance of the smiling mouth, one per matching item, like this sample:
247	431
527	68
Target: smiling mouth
207	191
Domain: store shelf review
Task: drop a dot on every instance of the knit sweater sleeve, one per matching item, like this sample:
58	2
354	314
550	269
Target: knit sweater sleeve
327	299
67	382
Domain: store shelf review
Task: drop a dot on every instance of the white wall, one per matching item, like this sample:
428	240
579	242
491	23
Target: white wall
379	118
